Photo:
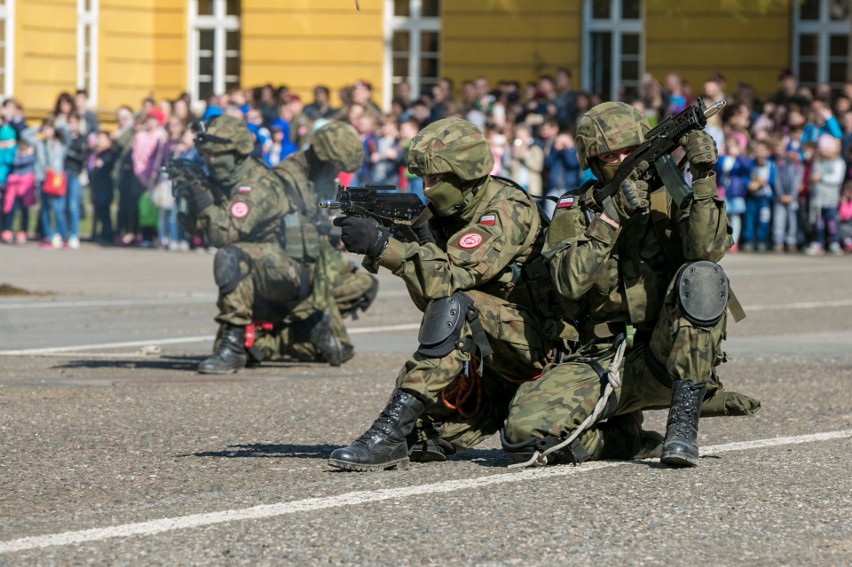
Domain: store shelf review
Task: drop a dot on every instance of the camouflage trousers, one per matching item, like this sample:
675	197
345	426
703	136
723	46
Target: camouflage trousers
279	289
467	416
566	394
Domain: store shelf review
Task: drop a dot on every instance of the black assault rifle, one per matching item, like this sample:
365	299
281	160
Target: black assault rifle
659	168
393	210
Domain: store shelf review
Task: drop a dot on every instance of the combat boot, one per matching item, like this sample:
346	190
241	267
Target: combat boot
230	355
622	437
334	351
680	448
430	450
384	445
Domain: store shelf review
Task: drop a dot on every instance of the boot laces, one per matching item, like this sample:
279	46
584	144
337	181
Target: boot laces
384	423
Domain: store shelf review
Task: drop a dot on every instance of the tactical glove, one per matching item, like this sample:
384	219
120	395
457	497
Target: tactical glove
631	197
362	235
195	193
701	152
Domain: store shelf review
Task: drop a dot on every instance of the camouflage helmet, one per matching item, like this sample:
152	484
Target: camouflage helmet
609	127
451	145
223	134
339	142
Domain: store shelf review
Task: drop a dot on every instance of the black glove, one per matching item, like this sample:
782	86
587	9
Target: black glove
631	197
194	192
701	152
362	235
423	233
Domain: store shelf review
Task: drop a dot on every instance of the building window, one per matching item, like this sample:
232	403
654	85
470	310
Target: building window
821	42
87	48
7	47
214	47
412	45
612	47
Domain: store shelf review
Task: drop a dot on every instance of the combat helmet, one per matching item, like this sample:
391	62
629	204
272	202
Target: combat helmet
609	127
450	145
224	134
338	142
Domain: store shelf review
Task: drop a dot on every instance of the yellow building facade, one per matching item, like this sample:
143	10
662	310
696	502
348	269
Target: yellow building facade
124	50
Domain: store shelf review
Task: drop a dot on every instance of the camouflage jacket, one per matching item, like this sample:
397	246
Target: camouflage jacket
482	248
621	275
251	211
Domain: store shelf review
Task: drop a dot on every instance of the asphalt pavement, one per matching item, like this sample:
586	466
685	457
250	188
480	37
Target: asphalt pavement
116	452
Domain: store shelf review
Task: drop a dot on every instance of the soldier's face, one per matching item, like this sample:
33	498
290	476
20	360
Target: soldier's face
616	157
430	180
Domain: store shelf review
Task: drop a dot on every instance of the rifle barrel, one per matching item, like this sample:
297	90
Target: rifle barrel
714	108
329	204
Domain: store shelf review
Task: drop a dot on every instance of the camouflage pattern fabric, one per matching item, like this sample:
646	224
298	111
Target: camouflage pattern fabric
225	134
474	252
626	276
450	145
338	142
607	128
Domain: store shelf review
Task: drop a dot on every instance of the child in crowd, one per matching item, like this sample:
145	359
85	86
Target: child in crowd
844	227
758	200
102	188
525	161
733	172
790	173
280	145
20	193
385	159
50	169
827	177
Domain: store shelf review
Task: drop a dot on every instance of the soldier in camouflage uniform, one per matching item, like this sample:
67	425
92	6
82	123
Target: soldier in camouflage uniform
268	251
478	275
313	173
643	272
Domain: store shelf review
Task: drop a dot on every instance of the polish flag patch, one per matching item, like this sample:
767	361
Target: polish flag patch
488	220
565	203
244	189
239	210
470	240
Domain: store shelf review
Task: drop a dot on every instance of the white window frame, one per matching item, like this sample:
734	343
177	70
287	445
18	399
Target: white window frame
823	28
617	26
221	23
87	20
414	24
7	20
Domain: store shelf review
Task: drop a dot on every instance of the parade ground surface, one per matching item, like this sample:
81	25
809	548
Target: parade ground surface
116	452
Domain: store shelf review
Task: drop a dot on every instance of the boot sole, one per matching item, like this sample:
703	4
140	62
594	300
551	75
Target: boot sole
218	371
401	465
679	460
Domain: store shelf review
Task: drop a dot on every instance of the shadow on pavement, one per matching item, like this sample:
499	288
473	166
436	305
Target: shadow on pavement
271	451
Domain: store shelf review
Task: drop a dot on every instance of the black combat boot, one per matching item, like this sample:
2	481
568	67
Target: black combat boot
681	445
334	351
383	446
230	356
622	437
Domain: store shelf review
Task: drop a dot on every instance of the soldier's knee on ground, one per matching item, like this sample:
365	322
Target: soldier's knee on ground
573	453
230	266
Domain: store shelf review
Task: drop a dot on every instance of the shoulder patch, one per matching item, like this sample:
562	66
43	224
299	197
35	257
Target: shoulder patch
239	210
488	220
470	240
565	202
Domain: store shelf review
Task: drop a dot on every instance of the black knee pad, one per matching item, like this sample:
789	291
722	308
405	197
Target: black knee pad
227	270
702	292
441	327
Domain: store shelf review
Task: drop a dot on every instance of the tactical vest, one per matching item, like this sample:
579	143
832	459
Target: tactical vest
299	236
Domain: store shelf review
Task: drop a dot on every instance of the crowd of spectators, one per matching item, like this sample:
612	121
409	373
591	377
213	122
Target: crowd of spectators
784	168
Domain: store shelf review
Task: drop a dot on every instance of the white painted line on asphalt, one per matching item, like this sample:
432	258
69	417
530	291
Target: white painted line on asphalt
366	497
799	305
183	340
108	302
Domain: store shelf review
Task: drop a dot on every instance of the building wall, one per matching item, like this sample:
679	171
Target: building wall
505	39
304	43
699	38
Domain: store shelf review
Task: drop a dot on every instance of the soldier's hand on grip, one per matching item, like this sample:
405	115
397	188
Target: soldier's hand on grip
362	235
701	152
631	197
